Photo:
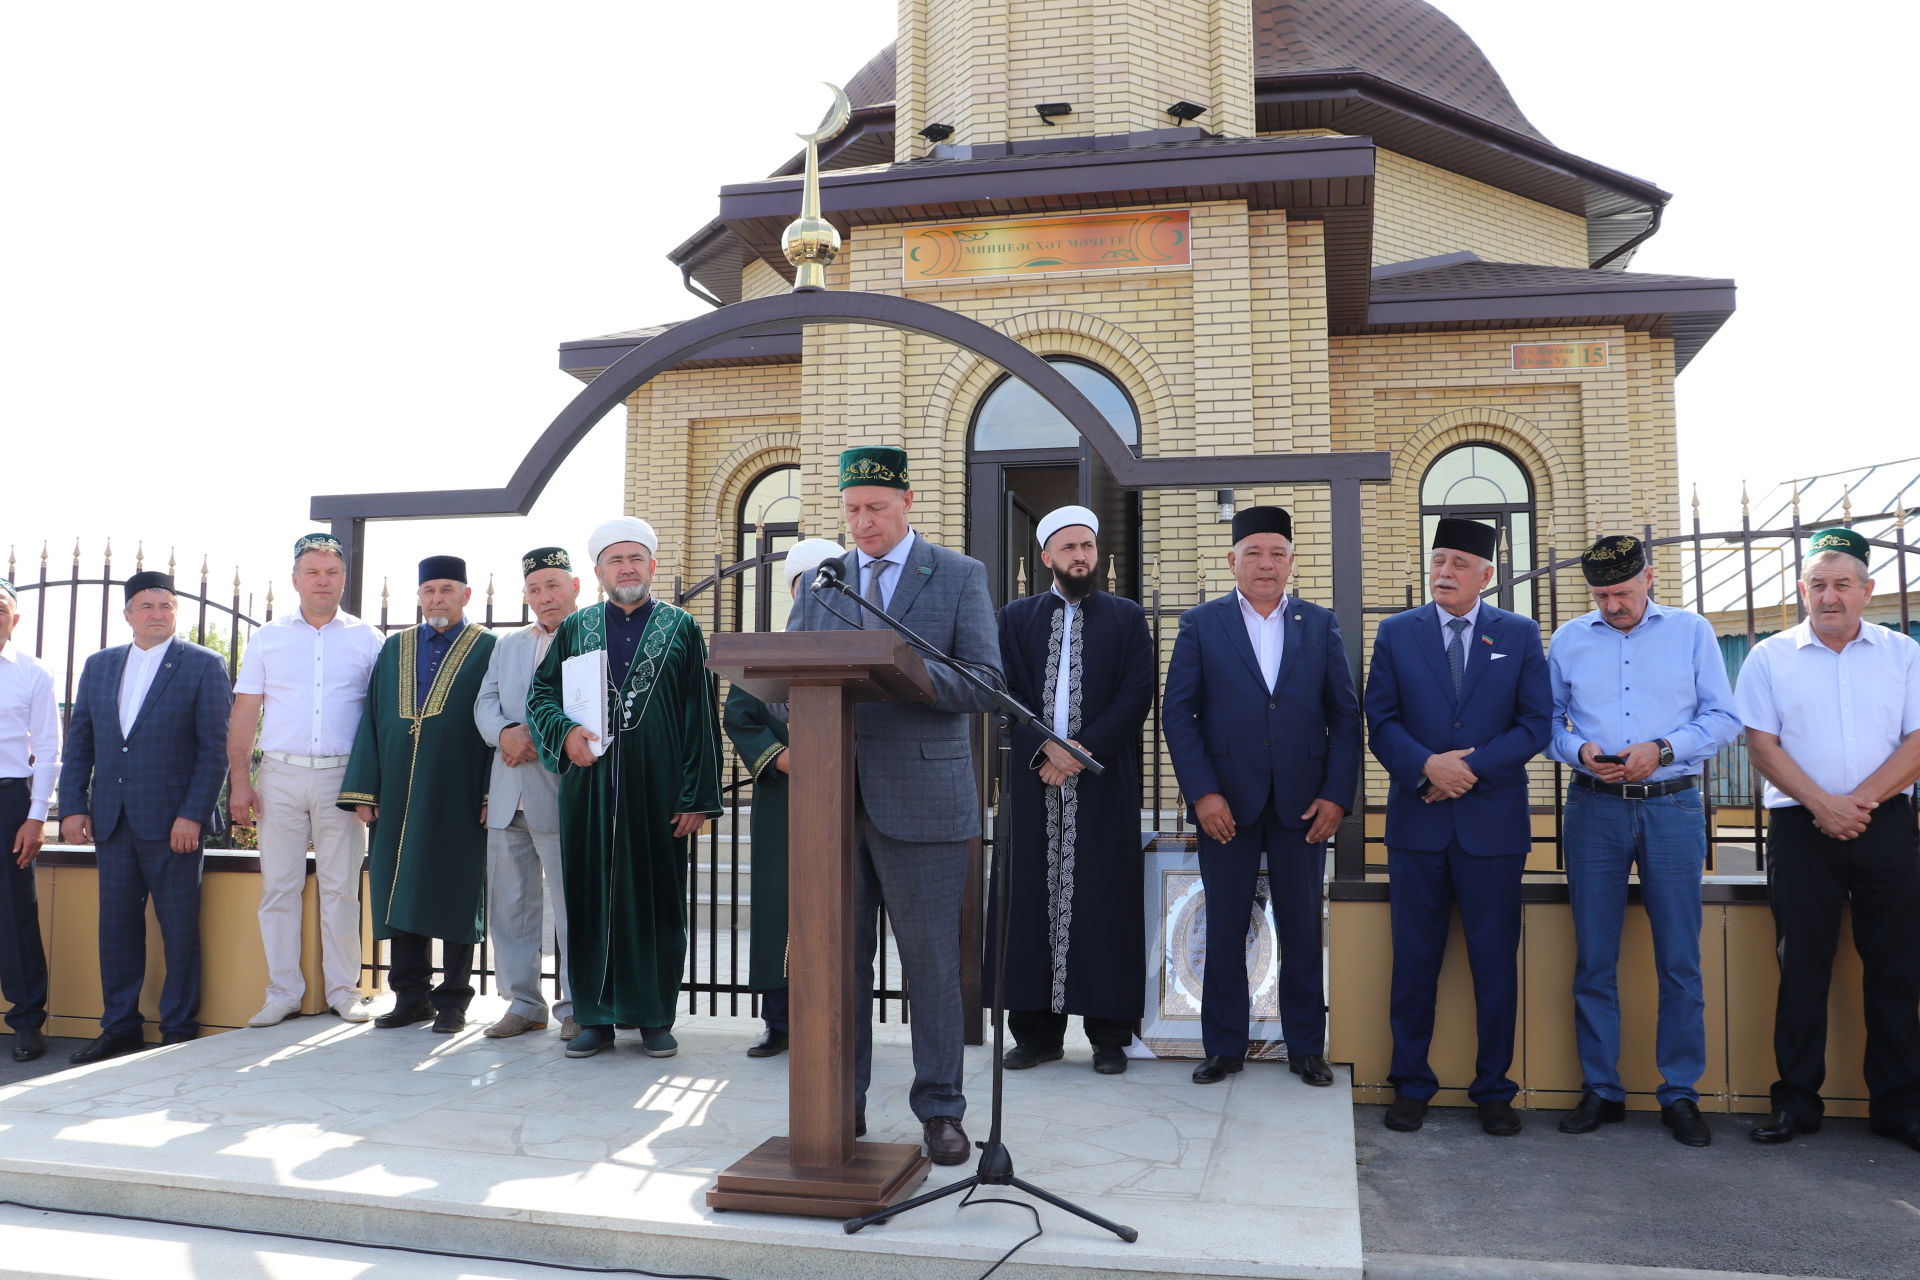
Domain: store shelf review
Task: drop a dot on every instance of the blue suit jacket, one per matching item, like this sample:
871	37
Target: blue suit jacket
170	767
1503	713
1227	733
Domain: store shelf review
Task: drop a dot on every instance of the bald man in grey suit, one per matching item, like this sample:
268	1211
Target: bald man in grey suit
917	805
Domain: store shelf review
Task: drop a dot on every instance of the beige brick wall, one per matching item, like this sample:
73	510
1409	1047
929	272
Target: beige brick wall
758	280
981	65
1421	211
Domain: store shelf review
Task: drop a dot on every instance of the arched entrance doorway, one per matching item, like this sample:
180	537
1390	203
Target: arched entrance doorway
1024	458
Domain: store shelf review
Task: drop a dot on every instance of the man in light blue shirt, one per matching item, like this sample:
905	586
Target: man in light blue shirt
1641	702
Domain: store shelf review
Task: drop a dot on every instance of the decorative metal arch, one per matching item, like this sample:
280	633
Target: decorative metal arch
348	513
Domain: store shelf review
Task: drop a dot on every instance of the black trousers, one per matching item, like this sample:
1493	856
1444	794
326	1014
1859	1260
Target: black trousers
1811	878
410	971
1044	1029
23	960
773	1008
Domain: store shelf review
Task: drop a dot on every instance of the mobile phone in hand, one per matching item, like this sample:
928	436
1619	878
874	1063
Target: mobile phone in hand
1609	759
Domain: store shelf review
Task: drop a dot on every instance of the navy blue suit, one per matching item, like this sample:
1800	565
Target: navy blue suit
170	766
1471	851
1270	754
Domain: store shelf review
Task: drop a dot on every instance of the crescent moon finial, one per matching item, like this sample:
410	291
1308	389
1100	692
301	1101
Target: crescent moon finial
834	121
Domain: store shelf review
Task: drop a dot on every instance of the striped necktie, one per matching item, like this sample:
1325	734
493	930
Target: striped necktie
1457	654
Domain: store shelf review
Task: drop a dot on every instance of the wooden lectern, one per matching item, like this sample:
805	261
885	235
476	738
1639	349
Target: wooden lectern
818	1168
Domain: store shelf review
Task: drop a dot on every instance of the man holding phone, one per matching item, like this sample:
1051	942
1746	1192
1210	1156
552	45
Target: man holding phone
1640	702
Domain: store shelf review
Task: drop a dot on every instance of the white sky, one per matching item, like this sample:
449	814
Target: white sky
256	252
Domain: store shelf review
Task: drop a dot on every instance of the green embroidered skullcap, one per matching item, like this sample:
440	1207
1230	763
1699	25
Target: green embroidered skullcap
6	589
880	464
1839	539
545	558
318	542
1613	559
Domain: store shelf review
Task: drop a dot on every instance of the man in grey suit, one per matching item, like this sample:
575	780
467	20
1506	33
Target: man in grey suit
916	804
523	807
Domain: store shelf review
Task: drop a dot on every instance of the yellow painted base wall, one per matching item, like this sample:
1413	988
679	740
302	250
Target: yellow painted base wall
1736	963
233	965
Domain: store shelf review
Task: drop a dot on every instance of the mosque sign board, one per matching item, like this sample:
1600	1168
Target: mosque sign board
950	251
1558	355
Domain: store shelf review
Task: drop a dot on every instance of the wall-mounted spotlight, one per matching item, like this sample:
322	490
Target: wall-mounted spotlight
1225	498
937	132
1184	110
1047	110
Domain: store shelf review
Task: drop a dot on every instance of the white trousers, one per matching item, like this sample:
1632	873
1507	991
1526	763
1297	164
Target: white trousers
297	808
519	858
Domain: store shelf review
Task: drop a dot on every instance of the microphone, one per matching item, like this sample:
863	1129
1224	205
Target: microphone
831	573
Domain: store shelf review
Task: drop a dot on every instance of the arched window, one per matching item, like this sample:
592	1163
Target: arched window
1012	416
1488	484
769	522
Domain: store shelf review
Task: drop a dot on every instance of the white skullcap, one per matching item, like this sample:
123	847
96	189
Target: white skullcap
623	529
1063	517
808	554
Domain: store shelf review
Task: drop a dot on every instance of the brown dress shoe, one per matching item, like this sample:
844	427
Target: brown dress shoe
946	1140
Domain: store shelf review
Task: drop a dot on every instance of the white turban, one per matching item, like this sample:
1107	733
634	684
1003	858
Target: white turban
623	529
1065	517
808	554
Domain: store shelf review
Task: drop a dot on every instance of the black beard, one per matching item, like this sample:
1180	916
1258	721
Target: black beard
1074	589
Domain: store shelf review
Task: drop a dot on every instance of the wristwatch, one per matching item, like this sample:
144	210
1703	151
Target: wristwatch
1666	752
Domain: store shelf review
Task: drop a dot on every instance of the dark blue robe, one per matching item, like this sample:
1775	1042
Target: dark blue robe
1077	927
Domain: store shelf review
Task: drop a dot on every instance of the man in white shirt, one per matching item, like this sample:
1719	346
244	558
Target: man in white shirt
307	673
523	807
1832	709
29	764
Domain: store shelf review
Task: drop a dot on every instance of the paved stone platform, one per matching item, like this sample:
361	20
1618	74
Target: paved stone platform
506	1148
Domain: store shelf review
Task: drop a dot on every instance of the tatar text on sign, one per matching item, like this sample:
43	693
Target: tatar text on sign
1559	355
1038	246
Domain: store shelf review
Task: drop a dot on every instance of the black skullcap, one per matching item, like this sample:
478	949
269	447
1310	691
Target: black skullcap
1262	520
434	568
545	558
1470	536
148	580
1613	559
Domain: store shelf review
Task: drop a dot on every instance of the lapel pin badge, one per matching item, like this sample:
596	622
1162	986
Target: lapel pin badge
1487	641
926	568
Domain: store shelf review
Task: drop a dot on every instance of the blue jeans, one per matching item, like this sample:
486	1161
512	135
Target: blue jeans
1666	838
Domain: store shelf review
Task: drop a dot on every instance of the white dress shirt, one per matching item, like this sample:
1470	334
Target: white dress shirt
1061	683
29	728
1838	715
1466	637
314	680
896	564
136	678
1268	636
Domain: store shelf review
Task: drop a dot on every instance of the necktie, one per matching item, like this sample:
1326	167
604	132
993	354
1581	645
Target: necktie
872	594
1457	653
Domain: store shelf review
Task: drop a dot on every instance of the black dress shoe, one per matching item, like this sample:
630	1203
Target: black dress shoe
1313	1069
946	1140
1217	1068
1022	1056
771	1044
1907	1131
1780	1126
1592	1112
1498	1119
179	1037
404	1015
28	1044
1110	1062
1405	1115
1688	1125
448	1021
103	1047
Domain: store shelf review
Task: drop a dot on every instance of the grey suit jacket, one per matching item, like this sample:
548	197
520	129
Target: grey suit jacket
915	761
503	701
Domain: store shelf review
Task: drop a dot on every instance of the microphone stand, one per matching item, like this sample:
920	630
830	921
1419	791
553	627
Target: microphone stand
996	1162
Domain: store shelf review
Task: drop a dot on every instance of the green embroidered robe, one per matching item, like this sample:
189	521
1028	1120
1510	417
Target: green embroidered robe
624	873
419	758
760	736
